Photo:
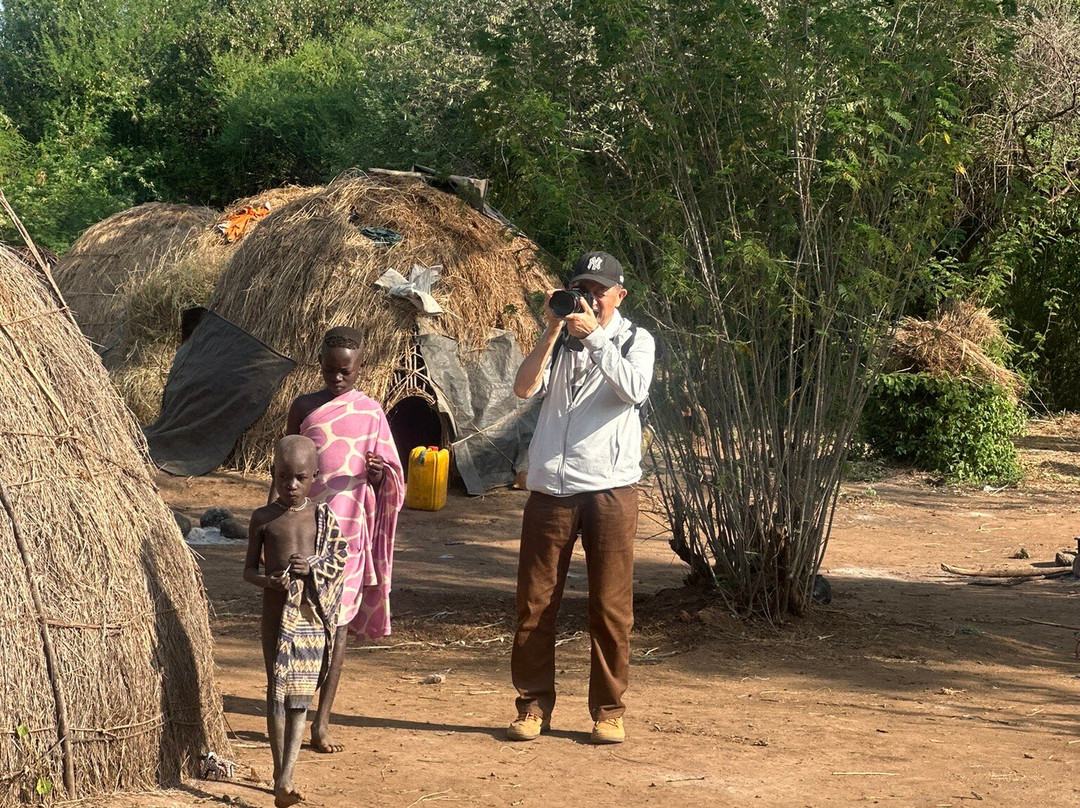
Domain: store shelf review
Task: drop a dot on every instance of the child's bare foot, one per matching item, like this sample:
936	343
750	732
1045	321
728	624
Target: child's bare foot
324	742
284	796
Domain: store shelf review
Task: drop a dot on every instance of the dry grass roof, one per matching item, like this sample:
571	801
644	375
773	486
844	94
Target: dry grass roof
129	278
104	636
108	255
309	268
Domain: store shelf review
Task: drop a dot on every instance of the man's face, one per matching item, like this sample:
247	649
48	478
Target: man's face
607	298
340	368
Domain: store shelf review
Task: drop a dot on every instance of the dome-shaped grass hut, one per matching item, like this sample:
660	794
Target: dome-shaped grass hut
101	263
105	648
314	265
129	278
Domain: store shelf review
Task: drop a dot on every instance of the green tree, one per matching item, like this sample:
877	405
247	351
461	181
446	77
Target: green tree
369	96
207	100
73	78
778	174
1014	239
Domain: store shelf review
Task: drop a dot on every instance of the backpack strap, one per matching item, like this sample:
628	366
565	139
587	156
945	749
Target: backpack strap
625	349
559	343
645	407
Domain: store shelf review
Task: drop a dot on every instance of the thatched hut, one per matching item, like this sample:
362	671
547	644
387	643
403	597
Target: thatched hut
108	255
314	264
129	278
105	648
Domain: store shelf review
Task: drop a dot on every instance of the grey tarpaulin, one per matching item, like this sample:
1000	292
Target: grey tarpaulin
492	425
222	379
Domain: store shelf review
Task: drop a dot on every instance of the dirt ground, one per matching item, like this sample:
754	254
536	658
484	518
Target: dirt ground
913	688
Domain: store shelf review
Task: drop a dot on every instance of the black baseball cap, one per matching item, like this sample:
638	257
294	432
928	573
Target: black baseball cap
597	266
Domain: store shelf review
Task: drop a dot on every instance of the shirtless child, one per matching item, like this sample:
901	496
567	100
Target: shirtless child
360	476
303	560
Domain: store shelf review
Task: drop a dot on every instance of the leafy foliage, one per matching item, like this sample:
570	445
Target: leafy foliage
953	426
360	99
1042	254
1014	243
113	103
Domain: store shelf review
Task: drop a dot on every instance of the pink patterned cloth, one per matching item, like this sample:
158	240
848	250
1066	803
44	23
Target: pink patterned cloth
344	430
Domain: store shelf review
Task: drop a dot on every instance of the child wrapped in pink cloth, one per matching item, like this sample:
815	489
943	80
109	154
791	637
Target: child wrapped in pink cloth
360	478
346	430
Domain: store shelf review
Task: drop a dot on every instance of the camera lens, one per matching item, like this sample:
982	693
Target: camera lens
564	302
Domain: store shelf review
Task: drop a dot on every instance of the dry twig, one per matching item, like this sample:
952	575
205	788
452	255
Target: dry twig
1025	572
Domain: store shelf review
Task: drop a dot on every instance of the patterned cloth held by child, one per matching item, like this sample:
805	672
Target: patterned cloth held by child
309	618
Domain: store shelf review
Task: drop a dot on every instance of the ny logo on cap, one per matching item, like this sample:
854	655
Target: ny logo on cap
596	263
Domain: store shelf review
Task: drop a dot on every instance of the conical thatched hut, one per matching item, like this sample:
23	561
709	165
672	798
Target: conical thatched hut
129	278
105	649
311	267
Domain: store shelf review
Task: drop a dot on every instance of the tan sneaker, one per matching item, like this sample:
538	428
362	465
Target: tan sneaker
610	730
527	727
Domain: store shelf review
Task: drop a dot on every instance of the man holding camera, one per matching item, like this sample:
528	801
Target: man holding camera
593	368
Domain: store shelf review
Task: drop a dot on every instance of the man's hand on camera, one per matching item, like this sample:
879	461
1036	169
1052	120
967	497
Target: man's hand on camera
581	323
553	322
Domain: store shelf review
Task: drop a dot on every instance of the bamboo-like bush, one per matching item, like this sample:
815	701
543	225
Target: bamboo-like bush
105	647
807	207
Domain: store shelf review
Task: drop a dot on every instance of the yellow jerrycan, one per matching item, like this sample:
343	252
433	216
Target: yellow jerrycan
429	467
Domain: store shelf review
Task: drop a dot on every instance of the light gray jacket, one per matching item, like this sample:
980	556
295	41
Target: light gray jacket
591	440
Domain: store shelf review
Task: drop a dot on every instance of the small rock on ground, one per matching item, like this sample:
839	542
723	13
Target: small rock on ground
233	528
215	517
182	522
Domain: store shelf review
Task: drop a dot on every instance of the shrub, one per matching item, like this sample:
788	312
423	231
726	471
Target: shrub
951	425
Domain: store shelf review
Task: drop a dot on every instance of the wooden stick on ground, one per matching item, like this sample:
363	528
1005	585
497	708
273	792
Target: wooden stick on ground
1054	625
1026	572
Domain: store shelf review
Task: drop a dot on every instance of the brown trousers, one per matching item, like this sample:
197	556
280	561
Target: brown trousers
608	524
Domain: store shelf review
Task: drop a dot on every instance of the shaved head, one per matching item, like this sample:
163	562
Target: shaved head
296	451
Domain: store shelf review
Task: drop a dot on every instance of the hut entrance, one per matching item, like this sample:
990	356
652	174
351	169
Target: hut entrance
414	422
412	412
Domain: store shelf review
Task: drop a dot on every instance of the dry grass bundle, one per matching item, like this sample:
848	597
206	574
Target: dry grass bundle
211	243
275	198
309	268
110	256
105	648
26	255
959	341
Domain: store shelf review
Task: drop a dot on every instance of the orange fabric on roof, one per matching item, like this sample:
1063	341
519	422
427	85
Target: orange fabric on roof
233	227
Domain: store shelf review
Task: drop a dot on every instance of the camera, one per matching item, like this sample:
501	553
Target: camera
566	301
